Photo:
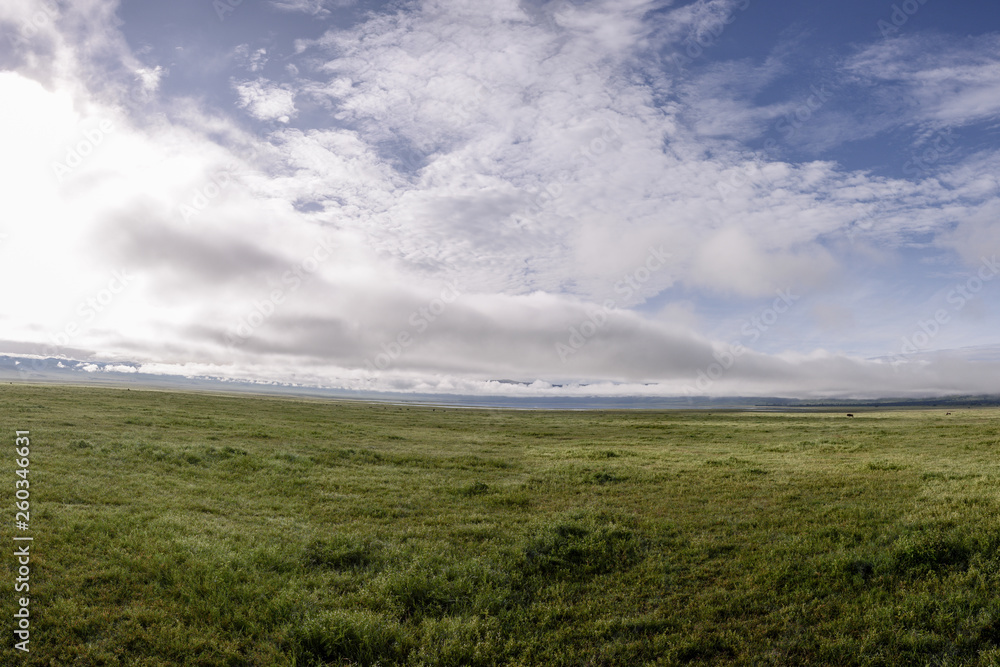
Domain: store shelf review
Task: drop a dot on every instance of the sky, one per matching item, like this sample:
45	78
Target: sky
576	197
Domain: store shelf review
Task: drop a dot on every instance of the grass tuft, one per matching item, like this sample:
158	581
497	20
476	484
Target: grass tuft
340	552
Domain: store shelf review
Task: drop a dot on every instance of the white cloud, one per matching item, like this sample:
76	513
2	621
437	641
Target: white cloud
119	368
149	78
252	61
265	100
523	157
733	261
312	7
946	83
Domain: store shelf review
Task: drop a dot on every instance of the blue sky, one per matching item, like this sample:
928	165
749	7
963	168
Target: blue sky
613	196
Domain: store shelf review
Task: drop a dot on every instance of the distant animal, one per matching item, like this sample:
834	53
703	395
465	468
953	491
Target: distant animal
947	413
849	414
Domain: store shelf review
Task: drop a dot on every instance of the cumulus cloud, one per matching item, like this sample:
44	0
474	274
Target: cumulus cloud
149	78
265	100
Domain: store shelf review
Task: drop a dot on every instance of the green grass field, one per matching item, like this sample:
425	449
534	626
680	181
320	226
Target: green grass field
196	529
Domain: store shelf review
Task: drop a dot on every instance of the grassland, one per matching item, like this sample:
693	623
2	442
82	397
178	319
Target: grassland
187	529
